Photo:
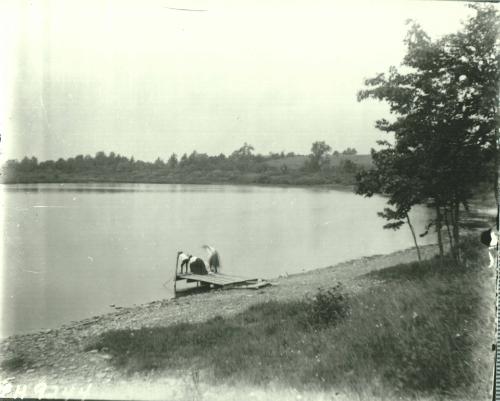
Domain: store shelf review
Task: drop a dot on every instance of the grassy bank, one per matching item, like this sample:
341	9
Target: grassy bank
416	331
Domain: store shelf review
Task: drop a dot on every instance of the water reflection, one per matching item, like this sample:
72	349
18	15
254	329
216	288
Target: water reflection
119	188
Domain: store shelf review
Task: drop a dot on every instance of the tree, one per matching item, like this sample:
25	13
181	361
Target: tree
350	151
392	176
28	164
60	164
348	166
244	152
100	159
243	159
192	157
319	156
445	104
183	160
172	162
159	163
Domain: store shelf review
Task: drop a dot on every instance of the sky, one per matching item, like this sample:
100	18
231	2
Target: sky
154	77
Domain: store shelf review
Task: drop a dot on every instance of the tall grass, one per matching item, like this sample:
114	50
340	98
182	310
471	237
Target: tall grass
414	334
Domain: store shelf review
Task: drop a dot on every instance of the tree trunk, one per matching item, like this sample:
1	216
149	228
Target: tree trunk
439	220
450	238
497	169
456	228
414	237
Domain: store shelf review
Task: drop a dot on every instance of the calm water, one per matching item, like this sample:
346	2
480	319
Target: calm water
69	251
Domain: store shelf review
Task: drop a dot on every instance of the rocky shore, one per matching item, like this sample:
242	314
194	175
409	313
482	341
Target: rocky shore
55	363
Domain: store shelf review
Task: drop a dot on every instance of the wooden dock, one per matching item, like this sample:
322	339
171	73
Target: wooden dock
216	280
219	280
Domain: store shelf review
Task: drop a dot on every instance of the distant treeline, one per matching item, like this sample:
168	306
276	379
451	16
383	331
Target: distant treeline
241	167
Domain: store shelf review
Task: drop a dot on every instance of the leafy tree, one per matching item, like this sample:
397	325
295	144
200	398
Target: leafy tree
100	159
159	163
348	166
123	166
392	176
172	162
244	152
350	151
183	160
319	156
445	102
243	158
28	164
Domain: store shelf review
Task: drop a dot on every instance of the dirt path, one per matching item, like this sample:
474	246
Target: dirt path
57	365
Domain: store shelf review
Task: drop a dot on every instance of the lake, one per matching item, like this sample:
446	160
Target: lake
71	250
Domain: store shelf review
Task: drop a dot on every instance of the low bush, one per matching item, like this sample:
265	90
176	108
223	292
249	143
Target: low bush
16	363
328	306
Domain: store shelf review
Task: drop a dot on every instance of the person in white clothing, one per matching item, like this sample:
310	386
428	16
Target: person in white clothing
191	263
213	258
490	239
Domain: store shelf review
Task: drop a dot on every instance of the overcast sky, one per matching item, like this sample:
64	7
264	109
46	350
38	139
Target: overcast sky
142	78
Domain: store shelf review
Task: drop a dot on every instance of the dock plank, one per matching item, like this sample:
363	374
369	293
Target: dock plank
215	278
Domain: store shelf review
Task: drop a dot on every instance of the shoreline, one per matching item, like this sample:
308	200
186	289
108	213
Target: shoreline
330	186
58	357
274	281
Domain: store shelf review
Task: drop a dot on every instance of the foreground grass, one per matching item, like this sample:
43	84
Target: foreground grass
415	333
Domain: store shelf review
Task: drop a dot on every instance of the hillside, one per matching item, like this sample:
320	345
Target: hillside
298	161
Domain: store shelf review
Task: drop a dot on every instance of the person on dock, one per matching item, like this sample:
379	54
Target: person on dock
213	258
191	263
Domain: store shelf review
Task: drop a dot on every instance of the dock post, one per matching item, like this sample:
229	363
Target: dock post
175	277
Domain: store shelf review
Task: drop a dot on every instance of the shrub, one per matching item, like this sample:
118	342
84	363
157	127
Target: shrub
328	306
473	252
15	363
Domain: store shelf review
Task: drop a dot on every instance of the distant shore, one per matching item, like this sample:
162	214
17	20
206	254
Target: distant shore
57	358
291	170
